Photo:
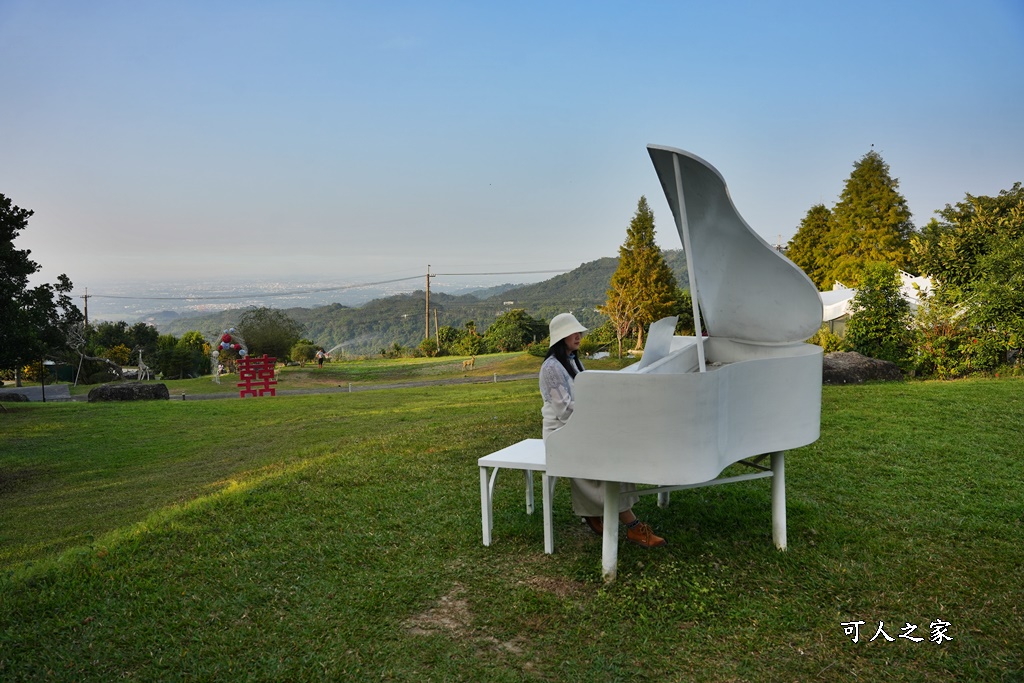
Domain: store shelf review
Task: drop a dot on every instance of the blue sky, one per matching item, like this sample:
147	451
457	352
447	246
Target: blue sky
361	141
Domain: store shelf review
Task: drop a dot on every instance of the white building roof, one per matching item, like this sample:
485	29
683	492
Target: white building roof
836	302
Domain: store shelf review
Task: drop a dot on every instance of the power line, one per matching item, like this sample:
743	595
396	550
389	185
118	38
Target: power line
514	272
318	290
252	296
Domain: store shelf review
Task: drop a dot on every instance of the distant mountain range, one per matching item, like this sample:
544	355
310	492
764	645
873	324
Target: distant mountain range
401	318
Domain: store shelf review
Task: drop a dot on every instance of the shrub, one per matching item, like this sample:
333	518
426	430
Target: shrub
880	325
303	352
429	347
470	345
589	346
947	346
33	372
540	349
513	331
828	340
396	350
120	354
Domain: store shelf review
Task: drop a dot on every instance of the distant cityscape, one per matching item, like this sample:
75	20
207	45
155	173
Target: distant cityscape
133	301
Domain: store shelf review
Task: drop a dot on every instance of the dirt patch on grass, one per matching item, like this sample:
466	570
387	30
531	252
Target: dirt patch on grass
449	615
557	586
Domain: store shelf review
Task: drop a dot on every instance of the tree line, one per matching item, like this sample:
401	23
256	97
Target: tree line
973	251
973	321
399	319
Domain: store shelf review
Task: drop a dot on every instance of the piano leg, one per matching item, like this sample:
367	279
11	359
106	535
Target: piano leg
528	474
779	499
485	505
610	543
547	493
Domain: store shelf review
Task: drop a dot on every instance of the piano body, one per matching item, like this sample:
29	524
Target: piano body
695	405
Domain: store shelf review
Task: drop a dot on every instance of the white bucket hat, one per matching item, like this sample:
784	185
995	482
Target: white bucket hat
562	325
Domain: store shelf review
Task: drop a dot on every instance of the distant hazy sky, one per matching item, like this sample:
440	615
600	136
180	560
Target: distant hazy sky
364	140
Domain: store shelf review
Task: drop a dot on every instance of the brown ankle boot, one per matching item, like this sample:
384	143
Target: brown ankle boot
642	535
596	524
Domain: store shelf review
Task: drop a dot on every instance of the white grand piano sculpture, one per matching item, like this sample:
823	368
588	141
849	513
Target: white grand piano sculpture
692	406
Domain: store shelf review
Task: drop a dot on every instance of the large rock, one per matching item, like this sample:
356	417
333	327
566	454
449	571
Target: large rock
850	367
129	391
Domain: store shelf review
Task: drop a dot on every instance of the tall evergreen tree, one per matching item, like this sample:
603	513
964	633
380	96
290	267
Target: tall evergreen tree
871	223
643	285
807	248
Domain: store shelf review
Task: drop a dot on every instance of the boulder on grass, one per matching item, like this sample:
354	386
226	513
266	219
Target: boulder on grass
129	391
850	367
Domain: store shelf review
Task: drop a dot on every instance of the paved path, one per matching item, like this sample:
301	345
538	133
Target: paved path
54	392
60	392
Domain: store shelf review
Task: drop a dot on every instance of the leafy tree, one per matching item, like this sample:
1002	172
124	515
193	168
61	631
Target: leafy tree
303	352
269	331
643	287
512	331
448	338
623	313
107	334
684	309
429	347
396	350
193	352
144	336
171	360
870	224
470	343
807	248
975	256
950	251
880	324
947	346
32	320
188	356
998	302
120	354
599	338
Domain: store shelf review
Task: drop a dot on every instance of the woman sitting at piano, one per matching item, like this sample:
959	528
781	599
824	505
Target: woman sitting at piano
556	377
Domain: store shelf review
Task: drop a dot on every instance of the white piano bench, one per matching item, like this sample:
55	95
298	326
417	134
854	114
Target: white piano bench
527	455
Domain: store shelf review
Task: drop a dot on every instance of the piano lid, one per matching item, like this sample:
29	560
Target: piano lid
746	290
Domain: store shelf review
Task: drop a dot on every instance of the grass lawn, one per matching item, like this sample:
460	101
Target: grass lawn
337	537
381	371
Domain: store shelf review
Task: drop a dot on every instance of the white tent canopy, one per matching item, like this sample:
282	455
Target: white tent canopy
836	302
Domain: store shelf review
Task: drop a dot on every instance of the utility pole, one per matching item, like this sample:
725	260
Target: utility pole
427	335
85	298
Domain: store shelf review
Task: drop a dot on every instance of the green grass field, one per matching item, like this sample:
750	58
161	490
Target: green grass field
337	537
365	373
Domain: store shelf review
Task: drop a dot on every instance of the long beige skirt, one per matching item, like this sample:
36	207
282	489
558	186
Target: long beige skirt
588	497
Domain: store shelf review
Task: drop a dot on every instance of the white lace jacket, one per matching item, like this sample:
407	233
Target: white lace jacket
556	390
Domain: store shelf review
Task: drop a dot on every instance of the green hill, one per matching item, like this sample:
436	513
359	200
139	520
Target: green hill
401	318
